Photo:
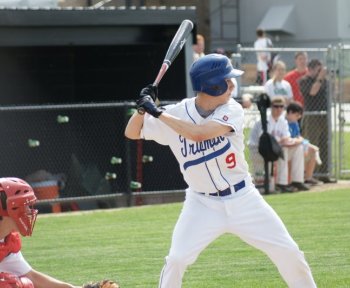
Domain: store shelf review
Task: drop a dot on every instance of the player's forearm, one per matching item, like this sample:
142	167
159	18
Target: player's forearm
192	131
41	280
133	129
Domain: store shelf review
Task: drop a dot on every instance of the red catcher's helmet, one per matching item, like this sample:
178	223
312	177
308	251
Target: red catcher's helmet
16	201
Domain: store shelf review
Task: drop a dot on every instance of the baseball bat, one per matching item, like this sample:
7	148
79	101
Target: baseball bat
174	49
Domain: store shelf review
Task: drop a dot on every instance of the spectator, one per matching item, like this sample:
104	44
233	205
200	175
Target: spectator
311	152
277	126
314	88
249	109
220	50
293	76
247	99
263	58
277	86
234	93
199	47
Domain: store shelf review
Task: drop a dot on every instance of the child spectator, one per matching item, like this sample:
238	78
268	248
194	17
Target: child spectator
311	152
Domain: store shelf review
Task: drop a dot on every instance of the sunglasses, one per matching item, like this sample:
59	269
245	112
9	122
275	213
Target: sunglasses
278	106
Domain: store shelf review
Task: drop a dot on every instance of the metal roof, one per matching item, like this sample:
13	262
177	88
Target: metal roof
89	16
279	18
90	26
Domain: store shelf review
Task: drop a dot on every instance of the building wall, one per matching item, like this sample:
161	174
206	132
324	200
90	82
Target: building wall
224	24
343	10
318	22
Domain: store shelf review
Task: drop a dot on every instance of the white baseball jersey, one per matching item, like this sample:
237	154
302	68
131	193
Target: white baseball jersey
211	165
15	264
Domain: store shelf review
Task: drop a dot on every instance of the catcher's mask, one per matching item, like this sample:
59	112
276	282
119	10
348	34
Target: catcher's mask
209	74
16	201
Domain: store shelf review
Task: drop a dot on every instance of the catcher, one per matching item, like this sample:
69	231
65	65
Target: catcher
17	216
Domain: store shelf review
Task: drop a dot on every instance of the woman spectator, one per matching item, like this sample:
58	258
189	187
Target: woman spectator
277	86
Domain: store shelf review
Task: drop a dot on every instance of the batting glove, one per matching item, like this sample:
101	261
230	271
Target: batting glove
150	90
147	104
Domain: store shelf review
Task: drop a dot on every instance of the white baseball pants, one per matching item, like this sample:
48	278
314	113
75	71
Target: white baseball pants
295	154
245	214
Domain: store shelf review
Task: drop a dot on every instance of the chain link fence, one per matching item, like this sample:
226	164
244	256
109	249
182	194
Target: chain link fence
74	153
77	157
342	111
317	123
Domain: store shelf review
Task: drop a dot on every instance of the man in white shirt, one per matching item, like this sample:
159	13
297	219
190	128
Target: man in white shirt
277	126
263	58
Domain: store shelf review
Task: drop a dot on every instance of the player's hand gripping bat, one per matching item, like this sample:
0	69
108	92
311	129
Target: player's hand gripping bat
174	49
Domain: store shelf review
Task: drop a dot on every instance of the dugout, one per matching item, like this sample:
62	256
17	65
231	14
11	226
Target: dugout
87	65
89	55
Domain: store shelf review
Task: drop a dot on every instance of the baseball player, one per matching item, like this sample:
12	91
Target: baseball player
18	216
205	133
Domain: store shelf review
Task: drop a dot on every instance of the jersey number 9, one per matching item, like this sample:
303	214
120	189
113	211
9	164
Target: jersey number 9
231	160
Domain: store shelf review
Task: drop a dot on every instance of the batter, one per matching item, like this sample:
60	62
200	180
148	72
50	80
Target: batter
205	133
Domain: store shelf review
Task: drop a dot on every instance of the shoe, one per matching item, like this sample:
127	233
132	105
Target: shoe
300	186
285	188
312	181
327	179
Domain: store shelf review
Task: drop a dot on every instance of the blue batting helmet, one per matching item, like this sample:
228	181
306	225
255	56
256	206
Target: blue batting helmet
209	74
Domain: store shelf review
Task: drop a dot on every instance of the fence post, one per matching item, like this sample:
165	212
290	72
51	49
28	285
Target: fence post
330	64
340	108
127	112
237	62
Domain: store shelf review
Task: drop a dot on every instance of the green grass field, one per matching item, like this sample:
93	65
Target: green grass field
129	245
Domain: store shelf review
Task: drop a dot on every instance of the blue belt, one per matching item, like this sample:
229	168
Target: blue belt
227	191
